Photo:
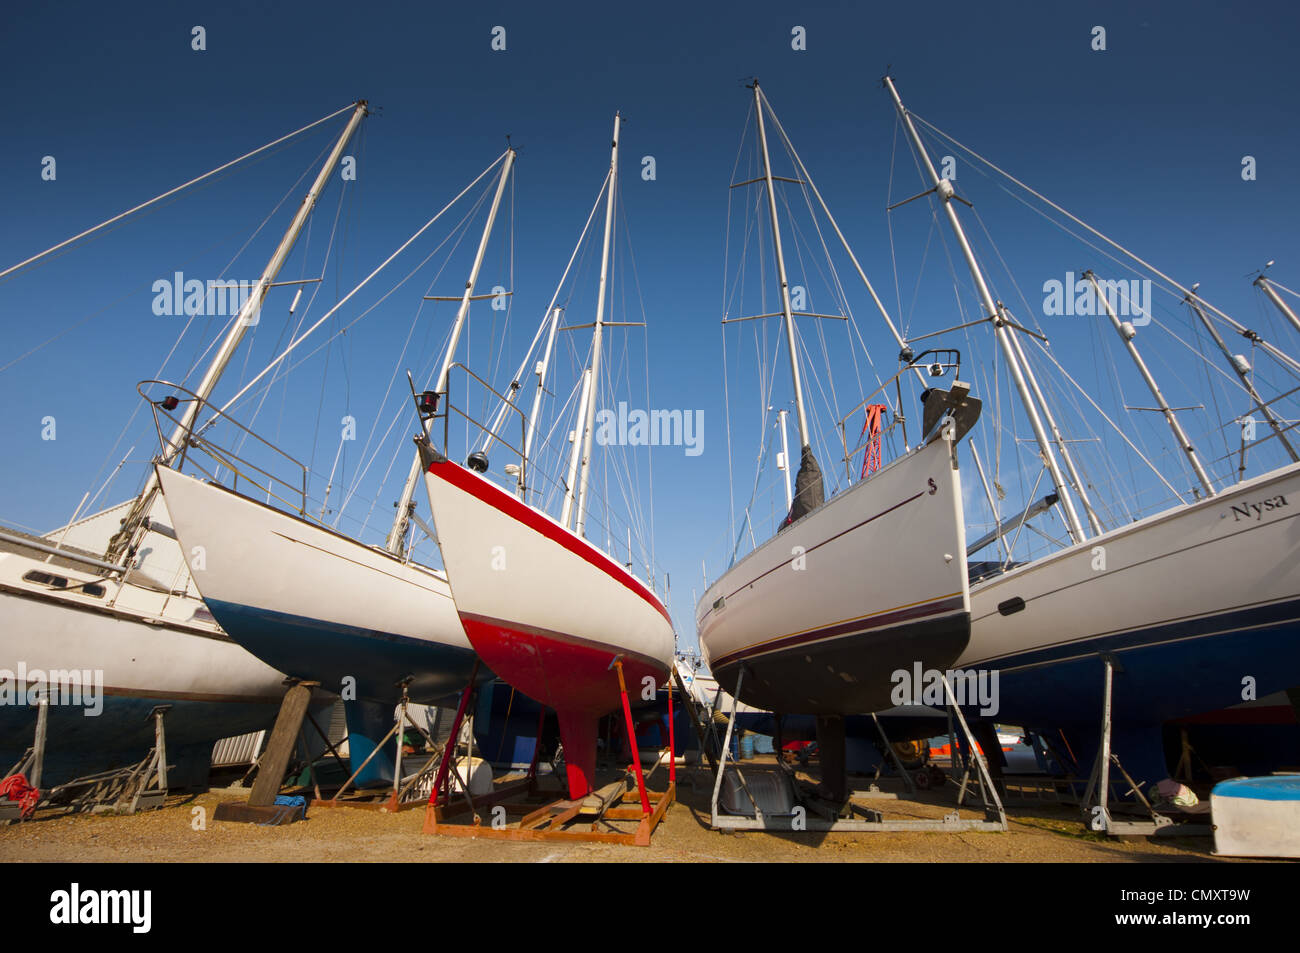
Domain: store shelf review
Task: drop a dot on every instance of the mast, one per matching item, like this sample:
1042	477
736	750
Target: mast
254	303
575	456
803	170
401	520
1093	522
593	388
1262	283
1242	372
1126	334
542	366
505	405
243	320
801	415
943	188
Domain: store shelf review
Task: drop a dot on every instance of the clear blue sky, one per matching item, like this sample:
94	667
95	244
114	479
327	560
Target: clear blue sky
1144	139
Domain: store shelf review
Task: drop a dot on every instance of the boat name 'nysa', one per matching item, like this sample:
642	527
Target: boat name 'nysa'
1257	510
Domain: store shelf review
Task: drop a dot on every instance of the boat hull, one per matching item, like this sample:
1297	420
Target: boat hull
1199	605
556	669
822	617
547	611
140	648
316	604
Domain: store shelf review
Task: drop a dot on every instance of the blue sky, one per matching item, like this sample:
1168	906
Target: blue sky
1144	140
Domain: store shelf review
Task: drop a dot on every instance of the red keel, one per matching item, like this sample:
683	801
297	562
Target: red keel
578	731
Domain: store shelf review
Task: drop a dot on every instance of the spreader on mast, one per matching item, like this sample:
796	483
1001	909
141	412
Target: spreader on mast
1126	333
1263	284
591	385
809	492
239	326
1242	370
943	188
401	520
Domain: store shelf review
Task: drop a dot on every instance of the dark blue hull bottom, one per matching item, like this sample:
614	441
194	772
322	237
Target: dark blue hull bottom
796	680
1215	662
329	653
77	744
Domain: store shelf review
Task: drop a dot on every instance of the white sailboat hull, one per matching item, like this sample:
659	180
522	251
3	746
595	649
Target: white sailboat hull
515	570
1200	606
870	583
132	648
545	609
316	604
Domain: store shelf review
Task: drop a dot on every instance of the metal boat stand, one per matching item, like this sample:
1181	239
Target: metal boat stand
399	799
811	814
549	818
442	802
1097	815
140	787
261	807
705	735
889	754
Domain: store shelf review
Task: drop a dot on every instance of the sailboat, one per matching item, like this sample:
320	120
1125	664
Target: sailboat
364	620
1194	608
818	619
548	610
108	598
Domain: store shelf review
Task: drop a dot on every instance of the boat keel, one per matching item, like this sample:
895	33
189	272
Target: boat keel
578	730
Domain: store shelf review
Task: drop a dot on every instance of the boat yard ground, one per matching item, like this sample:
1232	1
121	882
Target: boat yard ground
169	835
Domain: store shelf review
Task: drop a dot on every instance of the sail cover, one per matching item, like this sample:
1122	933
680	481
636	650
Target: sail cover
808	491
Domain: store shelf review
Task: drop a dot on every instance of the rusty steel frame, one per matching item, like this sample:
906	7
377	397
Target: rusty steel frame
546	821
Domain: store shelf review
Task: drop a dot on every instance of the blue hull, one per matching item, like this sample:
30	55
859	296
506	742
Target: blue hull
327	652
1168	672
77	744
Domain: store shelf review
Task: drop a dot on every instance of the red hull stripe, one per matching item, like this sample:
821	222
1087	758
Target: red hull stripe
853	627
499	500
563	673
561	638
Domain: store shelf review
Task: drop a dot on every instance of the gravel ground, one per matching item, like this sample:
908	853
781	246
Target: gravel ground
346	834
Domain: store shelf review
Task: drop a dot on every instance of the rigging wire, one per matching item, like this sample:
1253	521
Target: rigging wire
158	198
384	264
1280	356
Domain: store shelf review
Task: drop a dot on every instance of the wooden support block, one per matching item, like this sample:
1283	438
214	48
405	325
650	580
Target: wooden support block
597	801
543	814
546	823
275	761
536	819
272	815
564	817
